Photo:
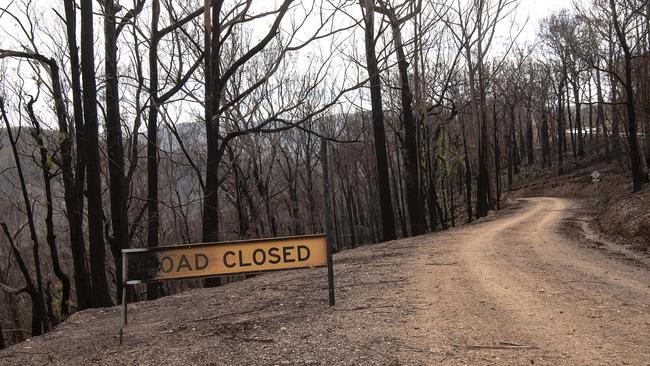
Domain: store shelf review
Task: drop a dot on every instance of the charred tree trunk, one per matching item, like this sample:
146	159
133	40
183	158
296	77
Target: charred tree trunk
546	145
578	124
101	296
119	219
399	187
511	146
337	226
46	165
561	133
600	114
242	217
530	148
483	194
349	204
39	312
616	132
327	193
497	157
522	140
212	99
570	120
639	176
591	117
452	201
379	132
48	159
431	200
291	176
74	181
413	194
468	173
153	219
35	291
213	54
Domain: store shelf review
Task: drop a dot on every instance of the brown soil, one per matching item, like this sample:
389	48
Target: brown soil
520	287
611	206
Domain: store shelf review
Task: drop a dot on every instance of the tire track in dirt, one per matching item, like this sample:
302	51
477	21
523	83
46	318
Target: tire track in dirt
569	302
464	325
514	289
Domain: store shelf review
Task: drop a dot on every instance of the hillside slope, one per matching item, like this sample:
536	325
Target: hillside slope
609	206
519	287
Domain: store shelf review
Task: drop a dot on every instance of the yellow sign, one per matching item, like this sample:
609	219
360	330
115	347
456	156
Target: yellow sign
214	259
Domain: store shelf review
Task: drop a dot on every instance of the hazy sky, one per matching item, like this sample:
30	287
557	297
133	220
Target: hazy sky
537	10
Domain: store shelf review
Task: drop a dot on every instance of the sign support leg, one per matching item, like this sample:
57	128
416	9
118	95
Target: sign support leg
124	304
123	317
328	220
125	288
330	273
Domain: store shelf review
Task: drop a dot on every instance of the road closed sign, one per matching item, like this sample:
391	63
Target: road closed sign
224	258
216	259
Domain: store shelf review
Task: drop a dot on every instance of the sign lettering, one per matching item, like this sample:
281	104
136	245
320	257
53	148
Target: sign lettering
214	259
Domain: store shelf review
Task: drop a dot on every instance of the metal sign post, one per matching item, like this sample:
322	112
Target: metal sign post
328	218
595	176
124	298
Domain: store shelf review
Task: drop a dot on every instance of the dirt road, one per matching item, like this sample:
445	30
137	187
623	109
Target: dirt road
518	288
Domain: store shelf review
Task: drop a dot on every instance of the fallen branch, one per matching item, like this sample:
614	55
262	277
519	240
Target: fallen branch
400	280
587	281
235	336
365	307
236	313
501	345
512	344
262	340
11	290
